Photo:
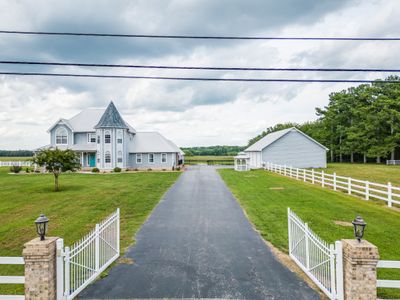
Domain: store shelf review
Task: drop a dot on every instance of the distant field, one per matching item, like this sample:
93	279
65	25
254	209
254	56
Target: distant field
5	158
371	172
210	160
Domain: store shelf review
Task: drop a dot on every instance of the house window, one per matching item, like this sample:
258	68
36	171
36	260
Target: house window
107	137
98	157
107	157
164	157
98	139
119	159
61	136
139	158
91	138
151	158
119	137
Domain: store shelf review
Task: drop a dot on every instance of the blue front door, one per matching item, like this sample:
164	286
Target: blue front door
92	160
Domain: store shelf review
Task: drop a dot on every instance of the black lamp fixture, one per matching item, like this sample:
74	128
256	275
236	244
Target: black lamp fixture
359	227
41	226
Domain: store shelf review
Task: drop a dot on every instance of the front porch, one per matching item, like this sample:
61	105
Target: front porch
87	159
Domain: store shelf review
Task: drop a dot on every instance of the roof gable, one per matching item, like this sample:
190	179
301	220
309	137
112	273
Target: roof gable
274	136
111	118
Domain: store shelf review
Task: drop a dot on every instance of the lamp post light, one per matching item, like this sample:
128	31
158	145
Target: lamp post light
41	226
359	227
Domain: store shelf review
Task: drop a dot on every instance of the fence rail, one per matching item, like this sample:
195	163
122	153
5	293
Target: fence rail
322	262
388	264
366	189
80	264
15	163
393	162
12	279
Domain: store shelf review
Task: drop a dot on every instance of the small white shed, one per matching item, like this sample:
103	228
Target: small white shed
290	147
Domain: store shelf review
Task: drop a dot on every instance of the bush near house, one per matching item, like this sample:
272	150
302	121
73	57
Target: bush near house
95	170
117	170
15	169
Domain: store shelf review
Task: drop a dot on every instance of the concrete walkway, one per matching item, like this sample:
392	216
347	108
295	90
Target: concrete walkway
198	244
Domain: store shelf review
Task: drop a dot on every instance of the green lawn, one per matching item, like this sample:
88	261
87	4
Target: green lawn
372	172
84	200
6	158
267	210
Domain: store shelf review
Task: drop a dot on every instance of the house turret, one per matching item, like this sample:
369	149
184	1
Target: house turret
110	132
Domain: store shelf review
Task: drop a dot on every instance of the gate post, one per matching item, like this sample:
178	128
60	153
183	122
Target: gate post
60	269
359	269
40	269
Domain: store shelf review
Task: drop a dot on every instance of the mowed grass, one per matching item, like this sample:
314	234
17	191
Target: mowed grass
10	158
84	200
267	206
378	173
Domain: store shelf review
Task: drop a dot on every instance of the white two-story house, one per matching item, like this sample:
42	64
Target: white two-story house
104	140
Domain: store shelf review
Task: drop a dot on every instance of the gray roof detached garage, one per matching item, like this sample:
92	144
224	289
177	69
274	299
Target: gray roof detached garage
290	147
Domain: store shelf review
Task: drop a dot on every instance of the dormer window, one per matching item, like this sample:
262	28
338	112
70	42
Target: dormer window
107	137
61	136
91	138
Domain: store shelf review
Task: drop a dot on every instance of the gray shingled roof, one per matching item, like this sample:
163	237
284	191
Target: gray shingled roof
148	142
111	118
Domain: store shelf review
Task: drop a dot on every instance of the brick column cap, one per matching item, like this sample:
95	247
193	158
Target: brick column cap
363	251
37	248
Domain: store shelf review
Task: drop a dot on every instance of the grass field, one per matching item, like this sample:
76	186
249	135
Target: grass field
372	172
267	210
4	158
84	200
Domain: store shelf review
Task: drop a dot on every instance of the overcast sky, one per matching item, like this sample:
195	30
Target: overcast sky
189	113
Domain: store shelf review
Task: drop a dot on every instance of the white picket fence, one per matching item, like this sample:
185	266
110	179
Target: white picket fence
80	264
12	279
366	189
15	163
322	262
388	264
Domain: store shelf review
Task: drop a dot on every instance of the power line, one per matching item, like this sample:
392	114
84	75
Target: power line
198	37
197	67
197	78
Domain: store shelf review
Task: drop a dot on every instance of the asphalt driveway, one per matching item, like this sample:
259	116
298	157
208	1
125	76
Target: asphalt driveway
198	244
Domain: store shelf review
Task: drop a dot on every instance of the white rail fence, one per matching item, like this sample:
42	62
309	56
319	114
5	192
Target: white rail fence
80	264
393	162
12	279
366	189
322	262
388	264
15	163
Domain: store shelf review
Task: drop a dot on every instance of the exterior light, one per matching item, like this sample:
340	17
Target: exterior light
41	226
359	227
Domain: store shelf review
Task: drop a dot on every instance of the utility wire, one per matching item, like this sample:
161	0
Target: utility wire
202	37
197	67
197	78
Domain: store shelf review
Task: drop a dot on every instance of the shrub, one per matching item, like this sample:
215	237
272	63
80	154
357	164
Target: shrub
178	168
27	170
164	170
15	169
95	170
149	169
136	169
117	170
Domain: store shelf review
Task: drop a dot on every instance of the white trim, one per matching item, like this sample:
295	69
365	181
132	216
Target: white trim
166	158
141	158
148	158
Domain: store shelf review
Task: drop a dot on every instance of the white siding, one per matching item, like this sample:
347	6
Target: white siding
296	150
255	159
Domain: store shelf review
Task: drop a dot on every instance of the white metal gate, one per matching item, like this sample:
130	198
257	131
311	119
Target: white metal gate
80	264
321	261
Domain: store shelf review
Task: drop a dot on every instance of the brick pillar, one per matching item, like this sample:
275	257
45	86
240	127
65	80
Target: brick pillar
359	270
40	269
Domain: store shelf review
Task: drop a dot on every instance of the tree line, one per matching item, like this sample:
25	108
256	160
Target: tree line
16	153
359	123
212	151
